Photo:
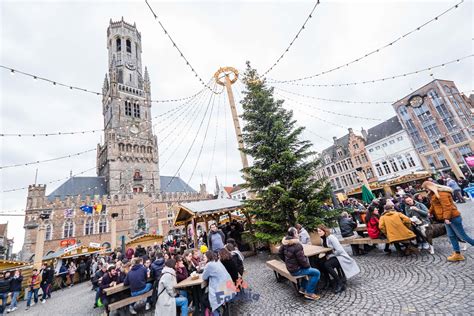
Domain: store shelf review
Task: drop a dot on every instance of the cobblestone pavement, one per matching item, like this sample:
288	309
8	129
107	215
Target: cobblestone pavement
387	285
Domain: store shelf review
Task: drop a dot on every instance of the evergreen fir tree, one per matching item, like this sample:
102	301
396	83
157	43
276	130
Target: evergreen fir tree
282	174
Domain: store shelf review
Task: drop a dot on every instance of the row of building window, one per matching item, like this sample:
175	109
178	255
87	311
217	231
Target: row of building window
390	142
136	149
128	109
393	165
69	228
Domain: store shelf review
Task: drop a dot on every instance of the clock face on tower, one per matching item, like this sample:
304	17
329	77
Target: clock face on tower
130	65
134	129
416	101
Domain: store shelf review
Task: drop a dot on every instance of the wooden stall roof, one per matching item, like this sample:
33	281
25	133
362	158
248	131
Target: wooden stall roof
408	177
197	210
81	250
144	240
10	265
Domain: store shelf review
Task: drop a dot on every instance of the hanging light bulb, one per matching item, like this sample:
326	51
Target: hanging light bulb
12	72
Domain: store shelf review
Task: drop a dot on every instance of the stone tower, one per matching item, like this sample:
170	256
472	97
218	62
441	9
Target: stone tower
128	159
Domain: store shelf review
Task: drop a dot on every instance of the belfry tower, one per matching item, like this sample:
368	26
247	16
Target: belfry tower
128	159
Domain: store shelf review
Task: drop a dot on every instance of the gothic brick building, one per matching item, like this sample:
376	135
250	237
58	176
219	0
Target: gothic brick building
128	181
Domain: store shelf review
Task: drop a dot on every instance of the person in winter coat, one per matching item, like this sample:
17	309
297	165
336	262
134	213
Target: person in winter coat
444	209
157	266
167	296
215	239
218	279
81	269
397	228
226	259
181	271
456	190
188	261
140	251
338	259
15	289
372	222
303	234
136	280
97	281
5	284
417	210
236	257
109	279
34	286
129	253
347	226
47	276
292	253
71	271
63	274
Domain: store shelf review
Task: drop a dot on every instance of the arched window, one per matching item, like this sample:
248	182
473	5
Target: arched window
128	108
129	147
49	231
89	226
142	149
129	46
68	229
136	110
118	42
135	149
102	225
121	147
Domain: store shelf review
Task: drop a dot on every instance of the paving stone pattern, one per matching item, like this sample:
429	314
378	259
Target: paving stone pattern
387	285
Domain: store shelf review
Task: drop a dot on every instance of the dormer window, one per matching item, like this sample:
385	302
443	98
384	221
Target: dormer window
339	153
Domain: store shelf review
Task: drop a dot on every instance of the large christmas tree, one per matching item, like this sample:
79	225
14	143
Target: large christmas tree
282	174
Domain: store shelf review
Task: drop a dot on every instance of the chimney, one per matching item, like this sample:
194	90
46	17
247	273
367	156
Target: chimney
364	133
350	130
334	138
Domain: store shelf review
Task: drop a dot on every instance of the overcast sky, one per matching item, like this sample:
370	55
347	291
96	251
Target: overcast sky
66	41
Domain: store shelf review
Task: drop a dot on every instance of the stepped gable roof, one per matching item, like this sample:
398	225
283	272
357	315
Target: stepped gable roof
83	186
384	129
342	143
177	185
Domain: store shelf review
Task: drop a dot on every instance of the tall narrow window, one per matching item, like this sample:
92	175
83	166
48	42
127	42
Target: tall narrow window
386	167
136	110
120	76
68	229
128	108
410	160
401	162
136	50
118	43
393	164
102	225
49	235
89	226
129	46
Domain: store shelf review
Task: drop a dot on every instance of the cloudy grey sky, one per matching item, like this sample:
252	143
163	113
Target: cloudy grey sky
66	41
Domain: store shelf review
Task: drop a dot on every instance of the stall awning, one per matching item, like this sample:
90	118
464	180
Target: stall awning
10	265
199	209
144	240
73	251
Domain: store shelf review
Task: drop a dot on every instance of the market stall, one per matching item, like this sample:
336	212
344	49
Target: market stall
26	269
144	240
205	211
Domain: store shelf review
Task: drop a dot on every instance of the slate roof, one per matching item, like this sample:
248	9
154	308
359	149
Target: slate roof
97	186
385	129
80	185
342	143
177	185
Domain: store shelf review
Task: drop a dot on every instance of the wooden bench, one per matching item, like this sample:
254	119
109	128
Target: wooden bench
129	300
280	270
362	241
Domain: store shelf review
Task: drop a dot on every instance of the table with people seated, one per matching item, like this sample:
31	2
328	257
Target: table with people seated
119	301
196	285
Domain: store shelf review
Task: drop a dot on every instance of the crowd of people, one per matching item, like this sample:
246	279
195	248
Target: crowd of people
411	219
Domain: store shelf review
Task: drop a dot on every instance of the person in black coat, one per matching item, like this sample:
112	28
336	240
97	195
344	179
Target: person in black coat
47	276
15	289
4	289
81	269
226	259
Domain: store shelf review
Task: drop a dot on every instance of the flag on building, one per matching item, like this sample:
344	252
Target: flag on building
97	208
86	209
68	212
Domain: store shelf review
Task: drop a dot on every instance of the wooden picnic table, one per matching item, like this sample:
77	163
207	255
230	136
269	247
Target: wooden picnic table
196	288
312	250
115	289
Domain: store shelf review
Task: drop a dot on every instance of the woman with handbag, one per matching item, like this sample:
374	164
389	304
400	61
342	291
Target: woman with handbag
444	209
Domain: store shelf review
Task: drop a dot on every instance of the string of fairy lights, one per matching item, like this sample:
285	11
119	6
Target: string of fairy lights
292	41
186	60
377	50
384	79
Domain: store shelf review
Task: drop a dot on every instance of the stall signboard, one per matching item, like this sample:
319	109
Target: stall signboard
67	242
70	248
94	245
469	161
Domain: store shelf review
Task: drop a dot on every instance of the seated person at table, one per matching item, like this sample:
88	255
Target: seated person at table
303	235
373	229
136	280
226	259
109	279
219	280
236	257
167	296
420	212
181	271
188	261
292	253
396	227
236	248
347	226
157	266
336	260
